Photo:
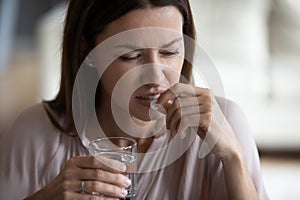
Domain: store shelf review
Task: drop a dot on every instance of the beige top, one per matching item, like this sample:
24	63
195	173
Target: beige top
34	152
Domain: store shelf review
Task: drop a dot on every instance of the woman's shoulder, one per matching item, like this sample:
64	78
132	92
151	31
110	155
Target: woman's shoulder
233	113
35	114
228	106
29	135
32	123
30	151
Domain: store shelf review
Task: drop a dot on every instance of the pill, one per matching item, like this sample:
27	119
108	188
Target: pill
153	105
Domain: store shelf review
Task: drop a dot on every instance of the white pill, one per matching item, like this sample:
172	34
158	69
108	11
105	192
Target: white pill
153	105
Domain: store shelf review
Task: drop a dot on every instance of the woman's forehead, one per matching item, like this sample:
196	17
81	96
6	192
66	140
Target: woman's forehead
141	38
168	17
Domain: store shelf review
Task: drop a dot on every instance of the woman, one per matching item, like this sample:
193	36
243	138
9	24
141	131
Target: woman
44	158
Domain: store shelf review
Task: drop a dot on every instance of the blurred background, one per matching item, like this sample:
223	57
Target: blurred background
255	45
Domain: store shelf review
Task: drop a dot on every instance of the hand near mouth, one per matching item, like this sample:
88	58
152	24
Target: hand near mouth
187	106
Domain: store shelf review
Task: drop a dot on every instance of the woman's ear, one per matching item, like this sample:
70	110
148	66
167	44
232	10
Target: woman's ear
87	51
89	61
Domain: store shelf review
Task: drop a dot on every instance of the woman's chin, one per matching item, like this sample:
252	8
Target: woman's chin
146	117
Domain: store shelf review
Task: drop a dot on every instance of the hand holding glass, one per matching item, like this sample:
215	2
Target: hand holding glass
121	149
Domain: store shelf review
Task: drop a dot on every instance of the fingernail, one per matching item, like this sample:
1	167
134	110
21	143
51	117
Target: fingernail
128	182
122	167
170	101
123	192
156	106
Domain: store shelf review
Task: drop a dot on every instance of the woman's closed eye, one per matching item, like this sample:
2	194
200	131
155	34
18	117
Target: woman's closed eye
165	52
131	57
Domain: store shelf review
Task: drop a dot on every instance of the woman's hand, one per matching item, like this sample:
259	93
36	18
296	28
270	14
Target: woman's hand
188	106
99	174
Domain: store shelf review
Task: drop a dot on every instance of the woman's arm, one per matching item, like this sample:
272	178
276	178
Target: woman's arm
239	184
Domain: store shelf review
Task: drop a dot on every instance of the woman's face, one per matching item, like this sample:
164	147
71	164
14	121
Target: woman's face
152	62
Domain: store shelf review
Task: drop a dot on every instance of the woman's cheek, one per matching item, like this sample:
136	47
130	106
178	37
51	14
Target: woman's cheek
174	71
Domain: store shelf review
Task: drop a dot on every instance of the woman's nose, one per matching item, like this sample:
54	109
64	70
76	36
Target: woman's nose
152	73
151	56
153	68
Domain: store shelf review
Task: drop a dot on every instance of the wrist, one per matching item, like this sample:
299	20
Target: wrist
40	194
233	158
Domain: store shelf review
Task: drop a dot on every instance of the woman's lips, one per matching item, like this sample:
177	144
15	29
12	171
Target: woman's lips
147	99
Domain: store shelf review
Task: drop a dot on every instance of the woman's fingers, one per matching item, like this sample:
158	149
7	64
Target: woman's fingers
178	89
105	176
200	112
98	188
196	103
99	174
191	101
98	162
181	90
193	121
84	196
188	106
104	189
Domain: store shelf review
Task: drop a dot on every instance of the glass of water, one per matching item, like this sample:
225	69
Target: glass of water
121	149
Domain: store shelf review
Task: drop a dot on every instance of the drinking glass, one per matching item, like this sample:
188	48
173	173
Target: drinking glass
121	149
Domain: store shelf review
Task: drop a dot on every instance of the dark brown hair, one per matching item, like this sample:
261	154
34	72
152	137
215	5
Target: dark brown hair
86	19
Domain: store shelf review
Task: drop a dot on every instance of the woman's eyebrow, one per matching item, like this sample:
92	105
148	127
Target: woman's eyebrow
136	47
171	43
